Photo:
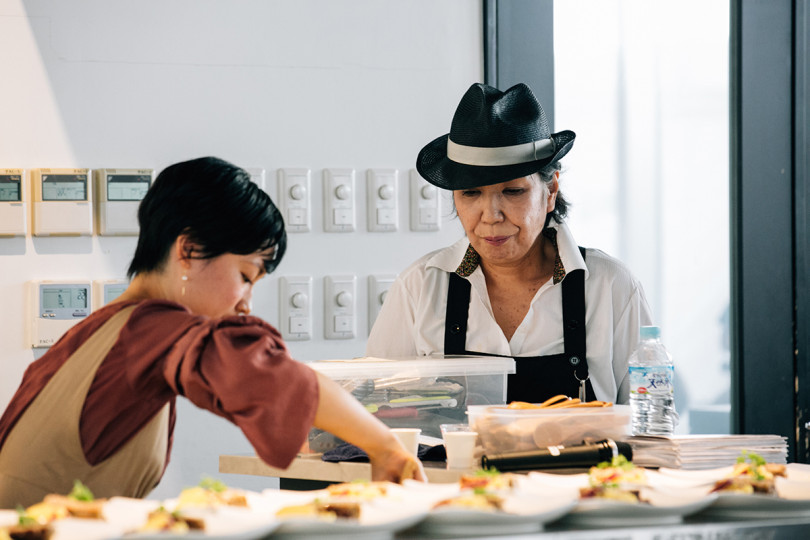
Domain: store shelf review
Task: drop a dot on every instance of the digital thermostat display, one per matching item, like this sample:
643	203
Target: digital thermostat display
64	301
10	187
64	298
64	187
127	187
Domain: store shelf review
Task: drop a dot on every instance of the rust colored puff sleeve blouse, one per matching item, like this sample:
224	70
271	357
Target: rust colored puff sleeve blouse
235	367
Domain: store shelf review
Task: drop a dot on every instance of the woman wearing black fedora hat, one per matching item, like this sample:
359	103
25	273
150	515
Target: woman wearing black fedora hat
517	285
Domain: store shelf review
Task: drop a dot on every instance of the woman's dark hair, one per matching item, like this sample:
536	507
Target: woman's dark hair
561	206
217	205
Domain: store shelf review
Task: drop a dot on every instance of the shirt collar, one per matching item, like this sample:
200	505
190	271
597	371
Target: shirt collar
462	259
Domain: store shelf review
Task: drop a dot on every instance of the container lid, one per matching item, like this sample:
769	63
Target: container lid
414	366
649	332
503	411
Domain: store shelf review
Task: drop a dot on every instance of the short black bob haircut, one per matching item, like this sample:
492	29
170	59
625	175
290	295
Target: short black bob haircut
217	205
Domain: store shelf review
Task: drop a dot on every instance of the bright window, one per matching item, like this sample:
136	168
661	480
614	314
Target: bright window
645	87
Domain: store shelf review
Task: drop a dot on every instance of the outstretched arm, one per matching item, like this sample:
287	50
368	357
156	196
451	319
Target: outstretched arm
342	415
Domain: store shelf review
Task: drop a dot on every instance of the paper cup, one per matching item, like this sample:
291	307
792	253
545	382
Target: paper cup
409	437
459	443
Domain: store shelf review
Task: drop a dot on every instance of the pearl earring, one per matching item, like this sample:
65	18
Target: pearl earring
183	290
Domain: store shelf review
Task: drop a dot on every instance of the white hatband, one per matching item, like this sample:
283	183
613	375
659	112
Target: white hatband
502	155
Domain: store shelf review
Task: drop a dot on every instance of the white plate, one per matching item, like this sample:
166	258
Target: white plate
793	490
225	523
520	515
243	534
84	529
663	508
73	529
740	505
8	517
382	527
798	471
697	476
379	518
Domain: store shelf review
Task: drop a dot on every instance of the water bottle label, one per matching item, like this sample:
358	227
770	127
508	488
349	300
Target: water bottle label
651	379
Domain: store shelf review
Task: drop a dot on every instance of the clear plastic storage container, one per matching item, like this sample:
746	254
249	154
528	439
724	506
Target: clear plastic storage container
417	392
503	430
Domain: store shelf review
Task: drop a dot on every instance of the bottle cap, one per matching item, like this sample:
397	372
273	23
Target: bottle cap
650	332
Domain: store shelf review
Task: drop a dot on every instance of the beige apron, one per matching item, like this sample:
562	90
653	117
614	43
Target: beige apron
43	452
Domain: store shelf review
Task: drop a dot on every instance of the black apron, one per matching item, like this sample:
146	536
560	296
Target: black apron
536	378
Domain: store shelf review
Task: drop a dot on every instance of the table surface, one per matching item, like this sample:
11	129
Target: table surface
313	468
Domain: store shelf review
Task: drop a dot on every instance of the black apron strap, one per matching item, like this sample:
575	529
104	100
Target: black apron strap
575	343
573	309
458	307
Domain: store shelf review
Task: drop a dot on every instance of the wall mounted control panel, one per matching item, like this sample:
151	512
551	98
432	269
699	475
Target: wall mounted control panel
54	307
382	192
107	290
13	202
63	202
118	194
338	200
340	313
295	200
425	204
378	286
295	299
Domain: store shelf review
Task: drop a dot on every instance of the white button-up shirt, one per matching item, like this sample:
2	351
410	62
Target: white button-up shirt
411	321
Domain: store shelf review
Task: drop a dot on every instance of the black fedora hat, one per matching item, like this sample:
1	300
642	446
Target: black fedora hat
494	137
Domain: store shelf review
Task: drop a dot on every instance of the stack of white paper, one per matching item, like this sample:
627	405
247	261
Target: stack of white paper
704	451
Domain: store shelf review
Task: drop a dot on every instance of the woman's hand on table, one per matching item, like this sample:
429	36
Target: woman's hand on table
395	464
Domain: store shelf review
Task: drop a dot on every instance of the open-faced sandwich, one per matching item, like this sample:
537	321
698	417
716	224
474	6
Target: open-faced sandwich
163	520
483	490
617	479
751	474
359	490
211	493
79	503
321	509
26	528
341	501
488	479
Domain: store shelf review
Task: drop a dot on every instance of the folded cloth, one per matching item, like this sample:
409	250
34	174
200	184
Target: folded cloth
432	453
349	452
344	452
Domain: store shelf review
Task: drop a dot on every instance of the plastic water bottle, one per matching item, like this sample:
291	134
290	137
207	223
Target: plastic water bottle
652	374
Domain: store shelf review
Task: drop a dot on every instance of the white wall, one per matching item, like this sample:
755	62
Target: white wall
267	84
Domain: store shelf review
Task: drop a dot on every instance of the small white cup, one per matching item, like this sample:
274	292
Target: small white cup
459	443
409	437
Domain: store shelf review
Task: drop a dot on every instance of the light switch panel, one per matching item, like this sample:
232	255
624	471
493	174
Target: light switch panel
340	301
425	204
382	196
338	200
378	286
295	297
295	200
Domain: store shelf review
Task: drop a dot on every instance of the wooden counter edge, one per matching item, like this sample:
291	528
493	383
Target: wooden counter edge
316	469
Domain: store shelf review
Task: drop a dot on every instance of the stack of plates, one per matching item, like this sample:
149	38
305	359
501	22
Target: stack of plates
704	451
